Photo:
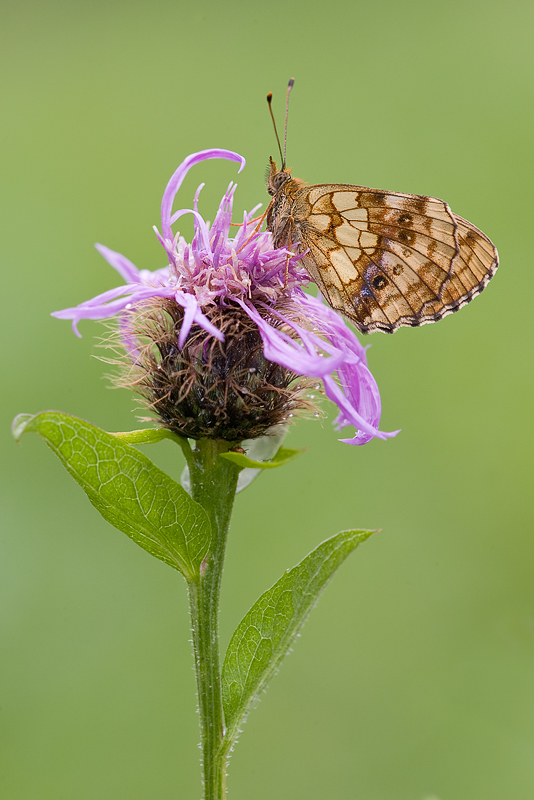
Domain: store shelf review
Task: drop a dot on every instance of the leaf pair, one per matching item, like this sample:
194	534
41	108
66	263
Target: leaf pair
161	517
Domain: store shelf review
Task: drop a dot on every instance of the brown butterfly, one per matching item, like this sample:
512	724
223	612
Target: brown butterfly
383	259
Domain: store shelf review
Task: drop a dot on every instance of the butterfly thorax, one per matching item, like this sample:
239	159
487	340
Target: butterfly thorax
280	219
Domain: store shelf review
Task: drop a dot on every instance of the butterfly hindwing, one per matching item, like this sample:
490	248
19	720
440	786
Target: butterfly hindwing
384	259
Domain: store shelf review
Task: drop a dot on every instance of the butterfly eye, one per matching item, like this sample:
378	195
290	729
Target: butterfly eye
279	179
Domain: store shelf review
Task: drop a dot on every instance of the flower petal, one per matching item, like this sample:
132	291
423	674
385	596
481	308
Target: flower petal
123	265
178	177
190	306
100	299
199	220
282	349
356	395
194	314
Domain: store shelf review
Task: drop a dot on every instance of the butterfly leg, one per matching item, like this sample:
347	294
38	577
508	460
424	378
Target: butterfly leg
258	226
240	224
291	226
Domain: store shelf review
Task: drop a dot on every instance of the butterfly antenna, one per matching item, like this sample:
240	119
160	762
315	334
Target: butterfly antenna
269	101
289	87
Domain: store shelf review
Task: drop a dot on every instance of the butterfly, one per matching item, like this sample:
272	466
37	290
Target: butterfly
383	259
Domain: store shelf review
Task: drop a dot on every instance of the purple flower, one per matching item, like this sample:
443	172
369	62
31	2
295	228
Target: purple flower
216	272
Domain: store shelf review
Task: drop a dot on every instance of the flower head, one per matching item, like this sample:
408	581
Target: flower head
217	338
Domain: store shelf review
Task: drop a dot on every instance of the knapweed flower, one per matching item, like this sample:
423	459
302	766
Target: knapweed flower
222	340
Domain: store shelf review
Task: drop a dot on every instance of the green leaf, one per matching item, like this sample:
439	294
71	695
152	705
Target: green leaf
259	450
151	436
268	630
146	436
283	456
128	489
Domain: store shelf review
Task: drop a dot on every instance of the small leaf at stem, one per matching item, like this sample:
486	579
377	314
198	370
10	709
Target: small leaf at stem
268	630
153	435
127	488
261	449
146	436
283	456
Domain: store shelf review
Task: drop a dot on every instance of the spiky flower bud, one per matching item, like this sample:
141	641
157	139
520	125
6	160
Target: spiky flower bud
209	388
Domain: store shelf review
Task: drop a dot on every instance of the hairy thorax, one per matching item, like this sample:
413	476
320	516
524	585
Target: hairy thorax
284	214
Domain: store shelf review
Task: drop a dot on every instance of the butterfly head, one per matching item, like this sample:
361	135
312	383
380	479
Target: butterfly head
276	178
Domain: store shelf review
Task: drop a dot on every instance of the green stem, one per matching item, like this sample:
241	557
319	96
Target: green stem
213	485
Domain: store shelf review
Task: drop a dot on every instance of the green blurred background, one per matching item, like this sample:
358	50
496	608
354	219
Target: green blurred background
414	677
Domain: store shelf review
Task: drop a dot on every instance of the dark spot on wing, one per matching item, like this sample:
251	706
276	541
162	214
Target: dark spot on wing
406	236
420	205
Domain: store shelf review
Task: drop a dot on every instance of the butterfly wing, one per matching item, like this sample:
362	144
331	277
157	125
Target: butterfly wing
387	259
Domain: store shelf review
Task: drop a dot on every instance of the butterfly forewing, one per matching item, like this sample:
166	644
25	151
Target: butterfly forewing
384	259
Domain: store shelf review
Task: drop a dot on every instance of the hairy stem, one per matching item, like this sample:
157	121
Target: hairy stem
213	485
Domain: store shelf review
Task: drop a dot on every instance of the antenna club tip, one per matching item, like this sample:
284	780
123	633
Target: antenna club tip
291	82
269	97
